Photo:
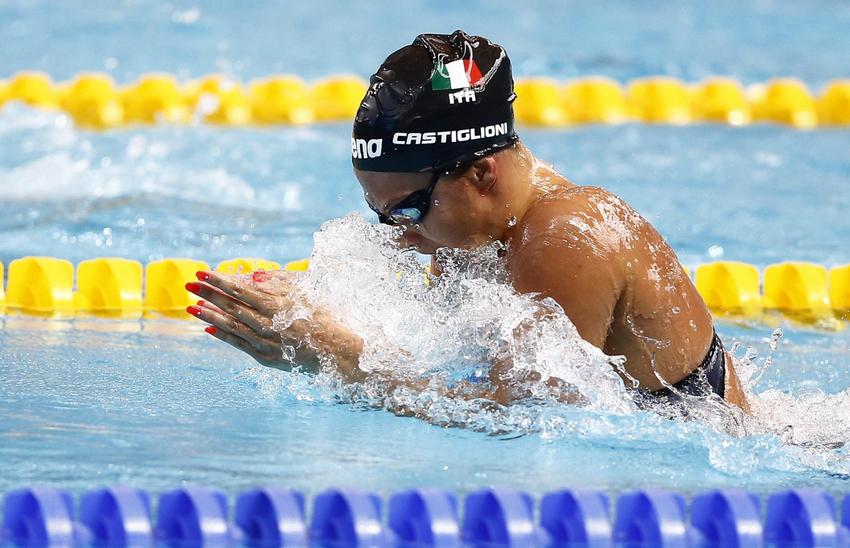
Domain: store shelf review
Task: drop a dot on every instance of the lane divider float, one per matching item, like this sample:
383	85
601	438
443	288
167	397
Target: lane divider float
116	287
271	516
110	286
94	101
803	291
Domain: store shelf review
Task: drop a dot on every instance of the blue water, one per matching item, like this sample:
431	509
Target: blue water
156	403
752	41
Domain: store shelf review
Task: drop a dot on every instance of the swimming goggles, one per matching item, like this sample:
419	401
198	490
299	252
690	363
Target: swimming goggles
413	208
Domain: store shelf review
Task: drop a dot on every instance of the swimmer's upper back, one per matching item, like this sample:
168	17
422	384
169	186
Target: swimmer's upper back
616	278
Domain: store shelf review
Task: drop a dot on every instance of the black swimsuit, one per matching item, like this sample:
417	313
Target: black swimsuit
708	378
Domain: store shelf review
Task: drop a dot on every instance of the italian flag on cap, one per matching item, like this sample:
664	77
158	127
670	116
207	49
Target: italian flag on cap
459	74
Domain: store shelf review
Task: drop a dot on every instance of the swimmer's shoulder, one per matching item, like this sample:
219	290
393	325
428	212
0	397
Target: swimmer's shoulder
573	231
577	216
578	198
564	249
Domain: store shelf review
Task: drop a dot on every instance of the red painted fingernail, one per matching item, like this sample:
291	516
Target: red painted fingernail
201	275
193	310
212	330
193	287
202	303
260	276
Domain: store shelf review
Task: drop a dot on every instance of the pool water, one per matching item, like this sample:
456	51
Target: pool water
155	403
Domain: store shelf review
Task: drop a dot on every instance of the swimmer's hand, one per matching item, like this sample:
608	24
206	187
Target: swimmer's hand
240	310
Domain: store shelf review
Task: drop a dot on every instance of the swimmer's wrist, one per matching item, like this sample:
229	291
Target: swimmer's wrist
341	344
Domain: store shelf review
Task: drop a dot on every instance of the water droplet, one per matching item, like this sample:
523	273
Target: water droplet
675	310
775	337
693	325
436	203
715	251
512	220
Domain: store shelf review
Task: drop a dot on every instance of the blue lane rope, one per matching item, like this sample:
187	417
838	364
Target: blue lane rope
195	516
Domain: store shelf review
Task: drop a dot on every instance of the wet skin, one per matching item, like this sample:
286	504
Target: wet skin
611	271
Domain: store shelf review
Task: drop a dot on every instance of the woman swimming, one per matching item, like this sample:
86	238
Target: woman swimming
436	127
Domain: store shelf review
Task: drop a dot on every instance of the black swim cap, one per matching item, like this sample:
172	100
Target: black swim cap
441	101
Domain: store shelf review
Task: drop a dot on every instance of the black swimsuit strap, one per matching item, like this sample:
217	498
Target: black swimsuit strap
709	377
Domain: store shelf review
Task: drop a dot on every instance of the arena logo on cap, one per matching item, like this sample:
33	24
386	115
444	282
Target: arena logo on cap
361	148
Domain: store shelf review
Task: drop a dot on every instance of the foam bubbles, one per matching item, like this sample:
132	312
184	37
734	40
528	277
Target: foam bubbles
430	336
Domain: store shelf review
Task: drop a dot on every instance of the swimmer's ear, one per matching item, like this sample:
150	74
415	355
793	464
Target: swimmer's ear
483	173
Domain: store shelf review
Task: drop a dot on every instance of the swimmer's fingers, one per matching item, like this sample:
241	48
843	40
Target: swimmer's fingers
210	306
267	291
224	323
261	276
278	288
269	359
211	294
237	287
258	321
218	306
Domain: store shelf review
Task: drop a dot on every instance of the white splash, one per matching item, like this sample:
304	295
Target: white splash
809	417
450	328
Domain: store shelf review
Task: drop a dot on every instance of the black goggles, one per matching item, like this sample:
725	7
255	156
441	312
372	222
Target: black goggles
413	208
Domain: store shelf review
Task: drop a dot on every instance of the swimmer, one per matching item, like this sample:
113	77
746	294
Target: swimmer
435	151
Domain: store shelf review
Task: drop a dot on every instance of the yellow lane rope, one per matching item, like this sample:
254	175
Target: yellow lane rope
94	101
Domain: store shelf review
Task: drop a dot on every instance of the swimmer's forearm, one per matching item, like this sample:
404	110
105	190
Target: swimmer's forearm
508	386
338	343
344	348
